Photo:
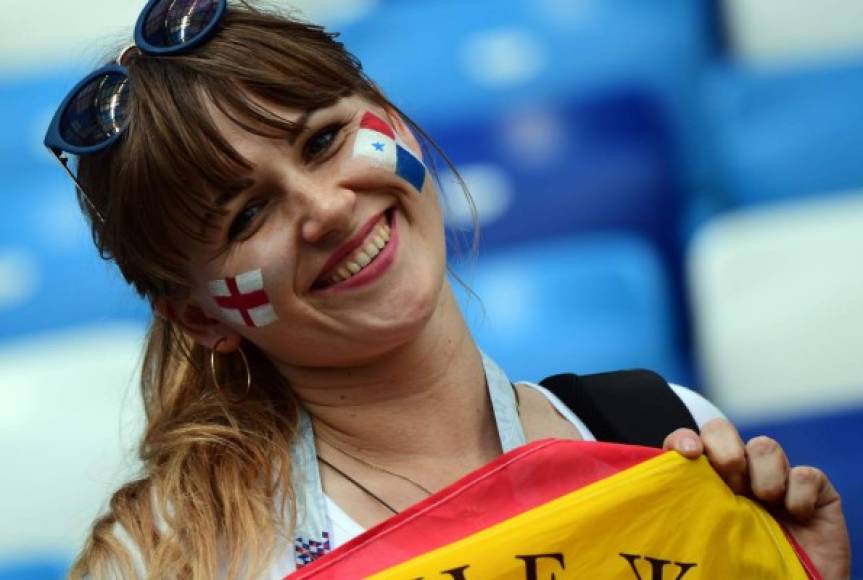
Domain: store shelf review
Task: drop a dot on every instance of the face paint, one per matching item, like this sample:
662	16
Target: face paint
377	142
242	299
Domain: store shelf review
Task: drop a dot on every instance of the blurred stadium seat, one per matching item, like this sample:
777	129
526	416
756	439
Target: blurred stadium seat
771	32
454	57
786	133
70	418
776	293
34	568
27	106
52	275
576	167
572	304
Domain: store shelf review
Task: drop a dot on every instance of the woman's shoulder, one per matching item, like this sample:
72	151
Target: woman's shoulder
543	415
701	409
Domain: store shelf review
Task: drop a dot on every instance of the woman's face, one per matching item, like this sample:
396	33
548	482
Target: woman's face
335	255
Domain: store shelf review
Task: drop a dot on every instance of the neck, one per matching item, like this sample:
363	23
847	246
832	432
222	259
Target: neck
412	407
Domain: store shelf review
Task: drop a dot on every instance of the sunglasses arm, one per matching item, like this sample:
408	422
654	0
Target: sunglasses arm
64	161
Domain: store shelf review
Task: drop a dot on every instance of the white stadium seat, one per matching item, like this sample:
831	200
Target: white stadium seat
777	294
70	418
779	31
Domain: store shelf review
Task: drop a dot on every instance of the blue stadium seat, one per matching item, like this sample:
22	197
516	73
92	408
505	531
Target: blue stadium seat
782	134
53	277
47	568
559	48
609	166
26	108
579	304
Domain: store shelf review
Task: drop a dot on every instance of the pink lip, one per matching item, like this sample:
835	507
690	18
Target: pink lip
349	246
371	272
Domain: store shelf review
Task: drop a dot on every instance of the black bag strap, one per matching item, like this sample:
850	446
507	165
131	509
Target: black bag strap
634	406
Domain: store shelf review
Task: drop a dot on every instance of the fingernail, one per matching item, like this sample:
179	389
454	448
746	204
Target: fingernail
689	445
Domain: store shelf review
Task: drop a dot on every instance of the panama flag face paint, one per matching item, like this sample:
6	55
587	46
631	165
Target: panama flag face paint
377	142
242	299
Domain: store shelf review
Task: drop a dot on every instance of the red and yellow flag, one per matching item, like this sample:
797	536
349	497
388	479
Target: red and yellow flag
576	510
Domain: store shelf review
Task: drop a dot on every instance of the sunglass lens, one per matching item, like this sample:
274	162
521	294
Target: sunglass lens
176	22
98	112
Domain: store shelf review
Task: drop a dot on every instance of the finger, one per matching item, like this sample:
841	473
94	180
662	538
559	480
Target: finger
768	469
725	450
808	490
686	442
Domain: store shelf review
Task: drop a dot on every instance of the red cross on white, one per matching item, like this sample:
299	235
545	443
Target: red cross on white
243	300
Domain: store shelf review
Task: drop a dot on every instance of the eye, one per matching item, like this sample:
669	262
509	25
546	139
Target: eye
243	220
320	142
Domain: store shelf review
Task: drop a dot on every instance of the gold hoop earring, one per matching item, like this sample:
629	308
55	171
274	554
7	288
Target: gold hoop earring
245	364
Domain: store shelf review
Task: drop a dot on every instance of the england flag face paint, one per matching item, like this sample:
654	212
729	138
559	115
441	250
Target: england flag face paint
377	142
242	299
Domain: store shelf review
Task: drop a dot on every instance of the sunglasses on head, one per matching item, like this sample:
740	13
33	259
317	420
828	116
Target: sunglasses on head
95	113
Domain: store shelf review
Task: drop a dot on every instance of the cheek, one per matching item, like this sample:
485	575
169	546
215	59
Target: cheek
250	298
243	300
376	143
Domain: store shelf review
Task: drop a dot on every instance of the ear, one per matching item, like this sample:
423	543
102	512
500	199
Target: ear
209	332
404	131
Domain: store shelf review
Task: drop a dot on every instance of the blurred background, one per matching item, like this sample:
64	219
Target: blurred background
670	184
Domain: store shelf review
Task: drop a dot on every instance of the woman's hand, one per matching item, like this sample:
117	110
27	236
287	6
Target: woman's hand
801	497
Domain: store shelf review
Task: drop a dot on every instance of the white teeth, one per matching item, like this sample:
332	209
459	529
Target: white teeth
371	249
363	259
364	256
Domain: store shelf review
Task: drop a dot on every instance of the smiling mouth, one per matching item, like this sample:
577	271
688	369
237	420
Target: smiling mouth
368	248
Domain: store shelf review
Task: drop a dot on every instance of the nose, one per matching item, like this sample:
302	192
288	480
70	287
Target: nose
328	210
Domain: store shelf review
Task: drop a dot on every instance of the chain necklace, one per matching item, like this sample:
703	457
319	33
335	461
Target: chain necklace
358	484
383	469
374	466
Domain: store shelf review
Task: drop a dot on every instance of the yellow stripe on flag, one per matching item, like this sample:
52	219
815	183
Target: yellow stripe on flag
667	518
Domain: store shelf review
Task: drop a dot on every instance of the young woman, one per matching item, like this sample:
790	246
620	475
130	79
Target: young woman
308	373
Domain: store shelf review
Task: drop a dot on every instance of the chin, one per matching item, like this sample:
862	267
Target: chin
404	316
400	319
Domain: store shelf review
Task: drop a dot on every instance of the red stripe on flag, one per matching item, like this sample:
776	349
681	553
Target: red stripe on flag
242	302
811	571
375	123
514	483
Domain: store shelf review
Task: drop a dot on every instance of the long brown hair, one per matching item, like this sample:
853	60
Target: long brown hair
215	487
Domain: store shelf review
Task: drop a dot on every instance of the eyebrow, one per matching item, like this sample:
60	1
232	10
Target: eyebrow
302	125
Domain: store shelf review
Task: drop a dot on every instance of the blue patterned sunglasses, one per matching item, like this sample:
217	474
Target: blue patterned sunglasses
95	113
